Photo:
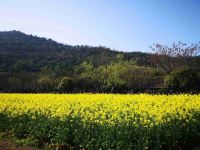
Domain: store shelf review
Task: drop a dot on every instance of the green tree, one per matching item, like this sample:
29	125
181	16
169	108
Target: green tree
116	72
182	80
139	78
65	85
46	84
14	84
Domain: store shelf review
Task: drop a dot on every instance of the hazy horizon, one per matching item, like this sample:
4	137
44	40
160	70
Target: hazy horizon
119	25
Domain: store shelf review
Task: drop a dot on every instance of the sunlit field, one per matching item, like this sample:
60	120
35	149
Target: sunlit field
101	121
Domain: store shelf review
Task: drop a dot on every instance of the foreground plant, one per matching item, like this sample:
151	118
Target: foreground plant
101	121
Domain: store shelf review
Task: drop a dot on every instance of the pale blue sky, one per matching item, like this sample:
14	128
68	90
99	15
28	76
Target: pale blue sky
126	25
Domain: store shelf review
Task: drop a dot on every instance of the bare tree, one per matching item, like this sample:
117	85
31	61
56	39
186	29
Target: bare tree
177	55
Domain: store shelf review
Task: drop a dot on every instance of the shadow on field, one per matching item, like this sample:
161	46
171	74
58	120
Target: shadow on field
74	133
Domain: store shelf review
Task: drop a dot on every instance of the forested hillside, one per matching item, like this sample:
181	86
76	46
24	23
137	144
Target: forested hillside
32	64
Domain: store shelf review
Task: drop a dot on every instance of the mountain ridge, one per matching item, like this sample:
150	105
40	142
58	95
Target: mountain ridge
15	33
17	47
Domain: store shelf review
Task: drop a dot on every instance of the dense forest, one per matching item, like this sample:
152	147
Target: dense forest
32	64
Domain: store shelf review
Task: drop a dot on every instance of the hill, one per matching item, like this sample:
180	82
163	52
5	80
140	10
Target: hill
28	62
22	52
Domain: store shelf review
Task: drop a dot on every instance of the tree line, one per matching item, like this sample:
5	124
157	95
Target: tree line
32	64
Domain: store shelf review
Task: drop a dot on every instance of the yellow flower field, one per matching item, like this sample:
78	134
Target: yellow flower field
102	121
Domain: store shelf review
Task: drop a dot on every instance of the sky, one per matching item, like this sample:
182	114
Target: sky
124	25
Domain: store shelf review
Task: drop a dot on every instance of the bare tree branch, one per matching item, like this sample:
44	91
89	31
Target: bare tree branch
177	55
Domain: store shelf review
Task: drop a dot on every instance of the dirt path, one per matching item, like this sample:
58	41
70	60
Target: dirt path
5	145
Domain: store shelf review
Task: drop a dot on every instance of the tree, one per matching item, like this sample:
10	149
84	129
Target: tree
14	84
173	57
116	72
87	72
139	78
65	85
182	80
4	84
107	77
46	84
